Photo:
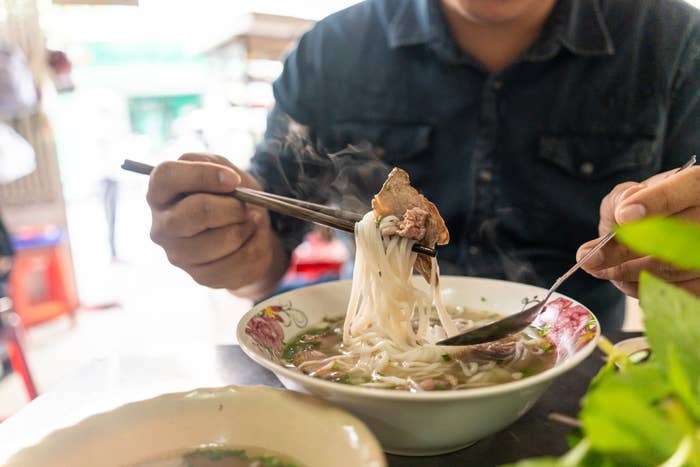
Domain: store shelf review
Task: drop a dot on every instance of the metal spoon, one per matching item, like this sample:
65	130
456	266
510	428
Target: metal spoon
519	321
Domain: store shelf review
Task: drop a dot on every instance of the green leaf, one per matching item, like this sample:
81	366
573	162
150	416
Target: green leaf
681	383
672	240
618	418
671	317
648	379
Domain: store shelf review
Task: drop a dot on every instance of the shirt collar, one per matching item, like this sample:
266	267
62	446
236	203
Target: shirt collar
578	25
412	24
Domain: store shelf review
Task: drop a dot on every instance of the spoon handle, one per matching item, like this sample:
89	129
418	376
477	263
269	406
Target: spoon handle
601	243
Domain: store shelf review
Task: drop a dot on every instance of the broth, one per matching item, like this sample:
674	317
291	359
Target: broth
222	457
319	352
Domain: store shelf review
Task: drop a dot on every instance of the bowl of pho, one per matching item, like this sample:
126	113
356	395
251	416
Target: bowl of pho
232	426
369	344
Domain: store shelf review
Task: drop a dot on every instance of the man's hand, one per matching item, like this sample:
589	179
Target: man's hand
219	241
667	194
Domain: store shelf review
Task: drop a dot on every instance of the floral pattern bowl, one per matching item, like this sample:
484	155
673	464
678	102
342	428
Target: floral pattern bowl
430	422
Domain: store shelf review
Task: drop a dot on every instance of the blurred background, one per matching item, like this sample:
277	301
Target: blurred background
86	84
93	82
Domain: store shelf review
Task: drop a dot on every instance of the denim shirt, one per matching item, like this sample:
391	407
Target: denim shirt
517	161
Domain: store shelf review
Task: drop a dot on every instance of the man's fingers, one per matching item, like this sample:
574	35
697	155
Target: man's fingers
629	271
632	288
611	254
203	157
610	202
170	180
197	213
675	193
226	271
615	253
692	286
210	245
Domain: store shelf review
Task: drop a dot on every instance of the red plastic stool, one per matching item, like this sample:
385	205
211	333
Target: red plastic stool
11	335
41	283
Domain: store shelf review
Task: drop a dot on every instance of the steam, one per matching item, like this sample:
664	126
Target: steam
303	168
513	264
292	161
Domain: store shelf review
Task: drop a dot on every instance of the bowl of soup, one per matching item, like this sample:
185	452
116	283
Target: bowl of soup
232	426
428	403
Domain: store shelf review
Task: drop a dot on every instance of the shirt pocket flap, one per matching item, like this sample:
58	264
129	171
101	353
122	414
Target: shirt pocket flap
596	157
390	142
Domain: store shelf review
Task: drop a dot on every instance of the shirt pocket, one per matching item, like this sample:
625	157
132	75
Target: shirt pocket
596	158
573	173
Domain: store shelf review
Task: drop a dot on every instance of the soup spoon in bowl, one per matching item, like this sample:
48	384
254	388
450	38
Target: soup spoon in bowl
519	321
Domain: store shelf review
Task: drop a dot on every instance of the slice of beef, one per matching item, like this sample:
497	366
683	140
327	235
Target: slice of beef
418	217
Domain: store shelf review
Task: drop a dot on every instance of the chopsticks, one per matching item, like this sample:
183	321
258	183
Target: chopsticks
304	210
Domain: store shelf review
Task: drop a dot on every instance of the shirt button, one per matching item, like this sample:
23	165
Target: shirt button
587	168
474	250
485	175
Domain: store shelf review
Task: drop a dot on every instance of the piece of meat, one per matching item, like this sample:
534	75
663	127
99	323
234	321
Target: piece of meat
488	352
396	198
305	355
413	224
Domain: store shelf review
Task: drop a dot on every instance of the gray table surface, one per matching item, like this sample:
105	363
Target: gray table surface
114	380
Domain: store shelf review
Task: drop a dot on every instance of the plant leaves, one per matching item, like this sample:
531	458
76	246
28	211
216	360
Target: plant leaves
681	384
619	421
671	317
671	240
649	376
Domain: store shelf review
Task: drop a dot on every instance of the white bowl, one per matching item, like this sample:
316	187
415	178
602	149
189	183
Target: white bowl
303	428
425	423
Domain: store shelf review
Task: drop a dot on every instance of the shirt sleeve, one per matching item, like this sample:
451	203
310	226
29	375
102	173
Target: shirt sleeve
683	130
287	161
298	89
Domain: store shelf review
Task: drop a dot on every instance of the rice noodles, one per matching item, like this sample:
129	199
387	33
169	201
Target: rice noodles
384	301
391	326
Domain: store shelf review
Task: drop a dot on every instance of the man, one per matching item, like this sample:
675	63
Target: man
530	124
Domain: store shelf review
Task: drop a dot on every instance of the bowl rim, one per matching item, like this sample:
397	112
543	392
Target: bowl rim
424	396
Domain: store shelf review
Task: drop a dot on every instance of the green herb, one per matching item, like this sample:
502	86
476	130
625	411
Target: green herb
648	414
592	324
272	461
379	220
483	299
546	346
446	357
216	454
298	343
543	331
671	240
527	372
388	188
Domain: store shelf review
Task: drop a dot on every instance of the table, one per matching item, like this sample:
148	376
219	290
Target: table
112	381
